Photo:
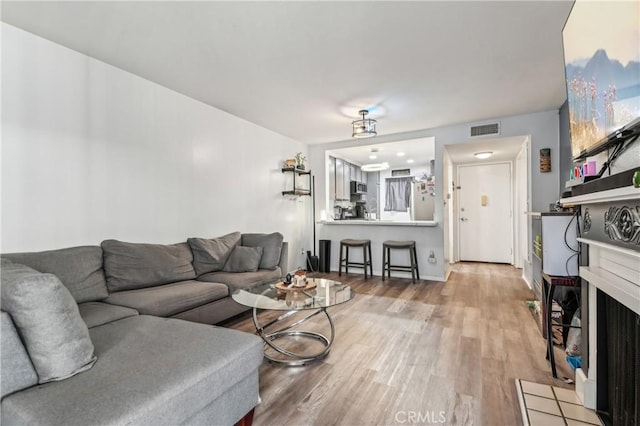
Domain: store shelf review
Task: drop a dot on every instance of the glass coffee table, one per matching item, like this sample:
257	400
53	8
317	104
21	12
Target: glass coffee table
318	295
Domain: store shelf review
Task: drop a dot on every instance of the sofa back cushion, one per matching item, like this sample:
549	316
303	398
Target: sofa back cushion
47	318
79	269
271	247
210	255
17	371
129	266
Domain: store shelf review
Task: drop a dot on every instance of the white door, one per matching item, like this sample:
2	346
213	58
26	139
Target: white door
484	213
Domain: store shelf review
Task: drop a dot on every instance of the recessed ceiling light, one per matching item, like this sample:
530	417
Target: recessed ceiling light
400	154
376	167
373	157
409	161
483	155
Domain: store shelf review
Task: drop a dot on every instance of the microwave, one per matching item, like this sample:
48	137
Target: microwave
358	187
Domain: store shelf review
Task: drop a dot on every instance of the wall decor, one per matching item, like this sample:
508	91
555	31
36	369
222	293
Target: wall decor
545	160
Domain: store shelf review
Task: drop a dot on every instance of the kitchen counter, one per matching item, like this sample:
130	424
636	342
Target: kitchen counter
428	223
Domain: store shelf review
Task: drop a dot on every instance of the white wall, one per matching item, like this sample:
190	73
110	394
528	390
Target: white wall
542	127
91	152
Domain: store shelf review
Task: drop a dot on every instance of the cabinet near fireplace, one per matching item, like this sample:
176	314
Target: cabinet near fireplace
609	379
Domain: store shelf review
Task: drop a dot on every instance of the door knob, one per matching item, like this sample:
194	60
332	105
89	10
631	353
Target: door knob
464	219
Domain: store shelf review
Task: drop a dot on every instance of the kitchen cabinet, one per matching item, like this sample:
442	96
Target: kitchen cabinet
332	178
346	182
339	176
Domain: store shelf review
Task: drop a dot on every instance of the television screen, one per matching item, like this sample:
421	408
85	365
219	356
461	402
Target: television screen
602	66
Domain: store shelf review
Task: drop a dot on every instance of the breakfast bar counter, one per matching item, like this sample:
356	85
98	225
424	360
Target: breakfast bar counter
429	223
427	234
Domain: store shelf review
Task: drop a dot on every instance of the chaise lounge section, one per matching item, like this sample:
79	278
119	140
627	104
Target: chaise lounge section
151	366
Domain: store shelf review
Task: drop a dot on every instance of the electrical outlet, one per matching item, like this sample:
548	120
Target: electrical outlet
302	251
432	257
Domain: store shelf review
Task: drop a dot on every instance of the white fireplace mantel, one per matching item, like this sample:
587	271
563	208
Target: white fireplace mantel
613	270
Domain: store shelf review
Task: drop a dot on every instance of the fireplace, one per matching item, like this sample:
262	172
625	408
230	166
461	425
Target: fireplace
609	379
618	364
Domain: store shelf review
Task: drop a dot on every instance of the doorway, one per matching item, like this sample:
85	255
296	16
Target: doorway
485	212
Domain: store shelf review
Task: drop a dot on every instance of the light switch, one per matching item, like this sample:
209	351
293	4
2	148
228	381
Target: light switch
483	200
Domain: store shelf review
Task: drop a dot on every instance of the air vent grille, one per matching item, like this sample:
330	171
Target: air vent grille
484	130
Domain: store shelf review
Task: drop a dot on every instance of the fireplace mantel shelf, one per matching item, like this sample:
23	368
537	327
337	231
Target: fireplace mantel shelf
609	196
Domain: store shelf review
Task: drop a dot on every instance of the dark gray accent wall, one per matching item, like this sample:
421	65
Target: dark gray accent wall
564	149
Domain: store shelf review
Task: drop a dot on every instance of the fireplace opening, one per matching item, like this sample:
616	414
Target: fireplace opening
618	363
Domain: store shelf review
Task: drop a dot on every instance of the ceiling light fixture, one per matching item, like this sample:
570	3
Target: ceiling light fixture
409	161
400	154
376	167
483	155
364	127
373	157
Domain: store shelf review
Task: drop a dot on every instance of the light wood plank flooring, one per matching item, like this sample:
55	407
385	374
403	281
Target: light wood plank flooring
418	353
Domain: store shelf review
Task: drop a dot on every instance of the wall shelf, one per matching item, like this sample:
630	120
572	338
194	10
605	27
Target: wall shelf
301	174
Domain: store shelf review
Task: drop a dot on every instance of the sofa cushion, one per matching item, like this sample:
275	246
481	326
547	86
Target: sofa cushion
79	269
151	371
170	299
242	280
128	266
16	369
211	254
98	313
243	259
271	245
47	318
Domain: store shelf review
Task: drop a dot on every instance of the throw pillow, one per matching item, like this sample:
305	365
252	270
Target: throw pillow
210	255
271	245
48	319
244	259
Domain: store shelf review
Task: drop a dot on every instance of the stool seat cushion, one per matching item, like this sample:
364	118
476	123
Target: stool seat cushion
355	243
399	244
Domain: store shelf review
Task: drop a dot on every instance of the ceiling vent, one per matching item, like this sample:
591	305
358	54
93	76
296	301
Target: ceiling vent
484	130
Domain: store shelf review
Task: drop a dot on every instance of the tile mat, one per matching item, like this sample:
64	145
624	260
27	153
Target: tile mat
544	405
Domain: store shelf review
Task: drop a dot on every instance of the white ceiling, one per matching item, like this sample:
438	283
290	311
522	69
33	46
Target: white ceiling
304	69
502	149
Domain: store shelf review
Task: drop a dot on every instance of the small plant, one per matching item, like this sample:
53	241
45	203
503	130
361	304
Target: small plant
300	159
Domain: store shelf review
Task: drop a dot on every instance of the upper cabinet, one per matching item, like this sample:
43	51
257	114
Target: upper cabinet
339	181
332	178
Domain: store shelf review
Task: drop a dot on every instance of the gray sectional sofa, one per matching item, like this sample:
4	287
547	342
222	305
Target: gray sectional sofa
96	334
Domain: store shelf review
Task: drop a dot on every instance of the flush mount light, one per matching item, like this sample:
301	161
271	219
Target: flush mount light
364	127
483	155
375	167
410	161
373	157
400	154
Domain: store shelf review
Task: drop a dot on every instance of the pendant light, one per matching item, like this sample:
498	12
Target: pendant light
364	127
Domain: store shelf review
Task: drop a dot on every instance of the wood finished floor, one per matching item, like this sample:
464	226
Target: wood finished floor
444	351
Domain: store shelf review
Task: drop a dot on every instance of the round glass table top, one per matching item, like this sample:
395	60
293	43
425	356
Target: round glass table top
326	293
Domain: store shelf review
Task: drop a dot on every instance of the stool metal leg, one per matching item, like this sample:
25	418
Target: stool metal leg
364	260
384	261
415	256
370	260
340	261
346	264
413	265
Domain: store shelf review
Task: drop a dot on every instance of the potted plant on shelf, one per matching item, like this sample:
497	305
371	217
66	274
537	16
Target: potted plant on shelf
300	159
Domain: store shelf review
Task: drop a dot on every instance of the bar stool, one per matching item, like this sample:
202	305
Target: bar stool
399	245
366	246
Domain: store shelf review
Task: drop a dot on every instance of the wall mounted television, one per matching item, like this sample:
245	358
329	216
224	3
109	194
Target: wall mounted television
601	43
